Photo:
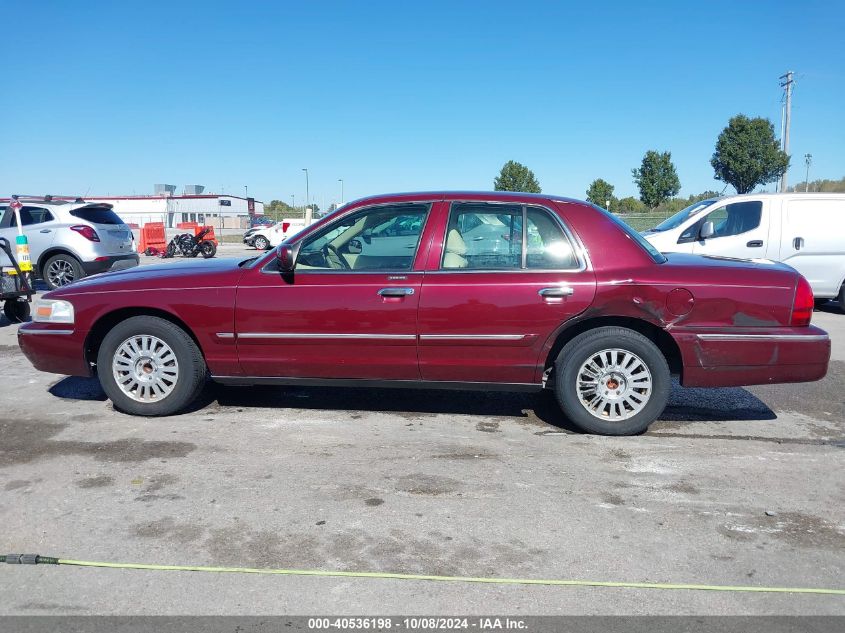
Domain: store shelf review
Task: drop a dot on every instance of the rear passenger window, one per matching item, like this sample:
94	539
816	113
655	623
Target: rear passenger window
30	216
484	236
548	247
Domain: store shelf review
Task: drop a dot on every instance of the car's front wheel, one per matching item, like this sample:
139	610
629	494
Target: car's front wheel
261	243
150	366
612	381
60	270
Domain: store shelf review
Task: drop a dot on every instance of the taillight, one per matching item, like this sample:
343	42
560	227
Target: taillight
802	307
87	232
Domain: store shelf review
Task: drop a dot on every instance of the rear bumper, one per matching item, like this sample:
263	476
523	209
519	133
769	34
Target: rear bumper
114	262
53	349
739	357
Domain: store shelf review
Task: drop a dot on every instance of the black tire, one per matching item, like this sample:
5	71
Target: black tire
577	351
170	251
16	310
841	298
208	249
60	270
191	373
261	243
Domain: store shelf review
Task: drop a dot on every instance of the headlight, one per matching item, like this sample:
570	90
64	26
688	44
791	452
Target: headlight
53	311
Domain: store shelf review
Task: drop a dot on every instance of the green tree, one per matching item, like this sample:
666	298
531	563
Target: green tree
826	186
630	205
516	177
277	209
747	154
656	178
600	192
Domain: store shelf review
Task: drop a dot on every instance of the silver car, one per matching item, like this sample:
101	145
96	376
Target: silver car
69	240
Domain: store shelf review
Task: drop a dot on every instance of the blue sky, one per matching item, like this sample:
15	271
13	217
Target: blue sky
110	98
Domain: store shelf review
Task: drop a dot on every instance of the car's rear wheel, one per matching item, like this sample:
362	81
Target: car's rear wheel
612	381
60	270
150	366
842	298
208	249
261	243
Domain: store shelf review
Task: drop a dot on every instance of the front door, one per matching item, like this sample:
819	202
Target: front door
349	309
741	229
508	276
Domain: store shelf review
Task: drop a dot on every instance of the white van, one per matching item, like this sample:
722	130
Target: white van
804	230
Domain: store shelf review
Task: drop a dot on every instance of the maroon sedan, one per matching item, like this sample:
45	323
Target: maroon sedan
446	290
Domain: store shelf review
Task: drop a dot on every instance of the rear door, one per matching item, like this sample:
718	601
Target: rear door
813	241
489	305
741	230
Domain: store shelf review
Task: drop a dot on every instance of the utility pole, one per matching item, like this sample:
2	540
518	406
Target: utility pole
340	180
808	159
786	84
307	194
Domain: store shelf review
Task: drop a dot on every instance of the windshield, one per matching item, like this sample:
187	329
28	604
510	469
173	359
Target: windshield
683	215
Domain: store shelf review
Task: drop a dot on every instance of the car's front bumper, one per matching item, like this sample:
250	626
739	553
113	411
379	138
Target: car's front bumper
745	356
110	263
54	348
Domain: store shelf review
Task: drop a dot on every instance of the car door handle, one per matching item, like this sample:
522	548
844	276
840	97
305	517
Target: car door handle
755	243
798	243
556	292
396	292
45	230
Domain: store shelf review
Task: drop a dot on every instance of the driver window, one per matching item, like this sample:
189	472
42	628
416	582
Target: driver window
383	238
731	219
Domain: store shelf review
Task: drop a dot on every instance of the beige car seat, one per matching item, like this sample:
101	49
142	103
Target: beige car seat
456	248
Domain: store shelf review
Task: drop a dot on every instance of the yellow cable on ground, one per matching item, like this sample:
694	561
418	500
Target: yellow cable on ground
467	579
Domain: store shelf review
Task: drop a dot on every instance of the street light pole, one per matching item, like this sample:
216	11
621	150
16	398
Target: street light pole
808	158
292	201
307	193
340	180
246	191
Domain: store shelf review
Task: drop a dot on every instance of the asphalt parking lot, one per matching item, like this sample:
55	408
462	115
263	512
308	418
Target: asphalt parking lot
730	487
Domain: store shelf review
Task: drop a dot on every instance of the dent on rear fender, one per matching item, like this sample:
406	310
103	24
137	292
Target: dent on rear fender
638	302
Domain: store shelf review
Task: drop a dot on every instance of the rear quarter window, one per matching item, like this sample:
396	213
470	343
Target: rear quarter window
97	215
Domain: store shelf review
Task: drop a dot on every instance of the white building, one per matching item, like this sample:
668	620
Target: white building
218	210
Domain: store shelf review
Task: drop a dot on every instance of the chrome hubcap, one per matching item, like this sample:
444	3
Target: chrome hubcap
613	384
60	273
145	368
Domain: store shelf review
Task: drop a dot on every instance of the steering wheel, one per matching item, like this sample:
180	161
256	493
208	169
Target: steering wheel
328	249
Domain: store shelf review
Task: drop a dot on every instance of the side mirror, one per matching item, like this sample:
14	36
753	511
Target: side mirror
707	230
286	256
355	247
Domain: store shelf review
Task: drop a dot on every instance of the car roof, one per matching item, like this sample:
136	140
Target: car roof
515	196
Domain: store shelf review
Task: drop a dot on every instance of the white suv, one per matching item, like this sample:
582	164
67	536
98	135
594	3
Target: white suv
70	239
